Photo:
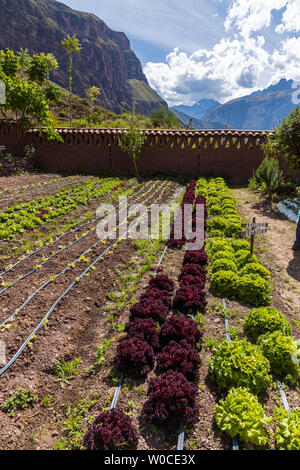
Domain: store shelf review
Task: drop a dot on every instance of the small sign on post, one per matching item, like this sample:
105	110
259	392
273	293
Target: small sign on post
254	229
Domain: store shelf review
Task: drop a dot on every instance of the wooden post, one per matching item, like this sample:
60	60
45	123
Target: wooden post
253	238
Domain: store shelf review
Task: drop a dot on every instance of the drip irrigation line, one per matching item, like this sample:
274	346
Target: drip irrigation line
235	440
55	277
180	441
52	255
42	322
40	185
50	220
122	375
72	183
117	392
52	308
52	243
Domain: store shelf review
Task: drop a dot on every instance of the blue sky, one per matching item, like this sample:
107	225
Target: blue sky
219	49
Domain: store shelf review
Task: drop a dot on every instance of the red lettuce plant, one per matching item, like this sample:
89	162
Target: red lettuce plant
157	294
144	329
171	396
134	356
192	270
111	431
196	257
162	282
198	281
150	308
179	357
190	299
177	328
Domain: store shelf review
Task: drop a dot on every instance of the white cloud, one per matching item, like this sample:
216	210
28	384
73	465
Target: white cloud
248	16
290	18
231	69
238	64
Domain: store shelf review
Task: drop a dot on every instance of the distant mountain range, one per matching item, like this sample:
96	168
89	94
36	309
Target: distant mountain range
106	61
194	123
259	111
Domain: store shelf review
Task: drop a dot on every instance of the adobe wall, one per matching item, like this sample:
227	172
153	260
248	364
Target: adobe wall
233	152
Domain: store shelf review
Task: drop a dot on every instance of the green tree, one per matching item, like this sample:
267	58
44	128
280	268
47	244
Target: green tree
285	141
132	140
93	92
28	91
72	46
162	117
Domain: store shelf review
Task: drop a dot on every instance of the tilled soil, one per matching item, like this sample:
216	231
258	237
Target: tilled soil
80	323
76	327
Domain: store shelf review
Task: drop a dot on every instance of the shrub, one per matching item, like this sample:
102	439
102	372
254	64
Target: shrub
264	320
279	350
177	328
111	430
270	175
223	265
254	290
179	357
189	299
150	308
240	364
224	284
134	356
171	396
287	434
241	414
145	329
255	268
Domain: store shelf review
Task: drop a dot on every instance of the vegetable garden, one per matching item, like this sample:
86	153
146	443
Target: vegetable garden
139	344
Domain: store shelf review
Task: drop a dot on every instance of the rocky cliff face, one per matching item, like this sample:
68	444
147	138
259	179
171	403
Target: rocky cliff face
106	59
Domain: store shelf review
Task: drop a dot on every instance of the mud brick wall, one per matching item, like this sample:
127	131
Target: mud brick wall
185	152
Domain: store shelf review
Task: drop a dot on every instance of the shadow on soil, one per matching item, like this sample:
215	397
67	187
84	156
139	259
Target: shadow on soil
293	268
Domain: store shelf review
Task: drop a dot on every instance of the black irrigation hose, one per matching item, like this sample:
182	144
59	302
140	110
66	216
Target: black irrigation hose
235	440
42	322
51	243
49	281
122	375
41	185
71	183
52	255
44	222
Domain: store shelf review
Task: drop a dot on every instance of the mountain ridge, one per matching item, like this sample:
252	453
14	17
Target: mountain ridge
106	60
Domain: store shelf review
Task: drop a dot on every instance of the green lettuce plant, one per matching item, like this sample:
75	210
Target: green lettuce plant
241	414
264	320
282	352
240	364
287	434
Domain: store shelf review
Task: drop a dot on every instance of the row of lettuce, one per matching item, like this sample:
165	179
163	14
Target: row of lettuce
163	336
20	217
245	368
